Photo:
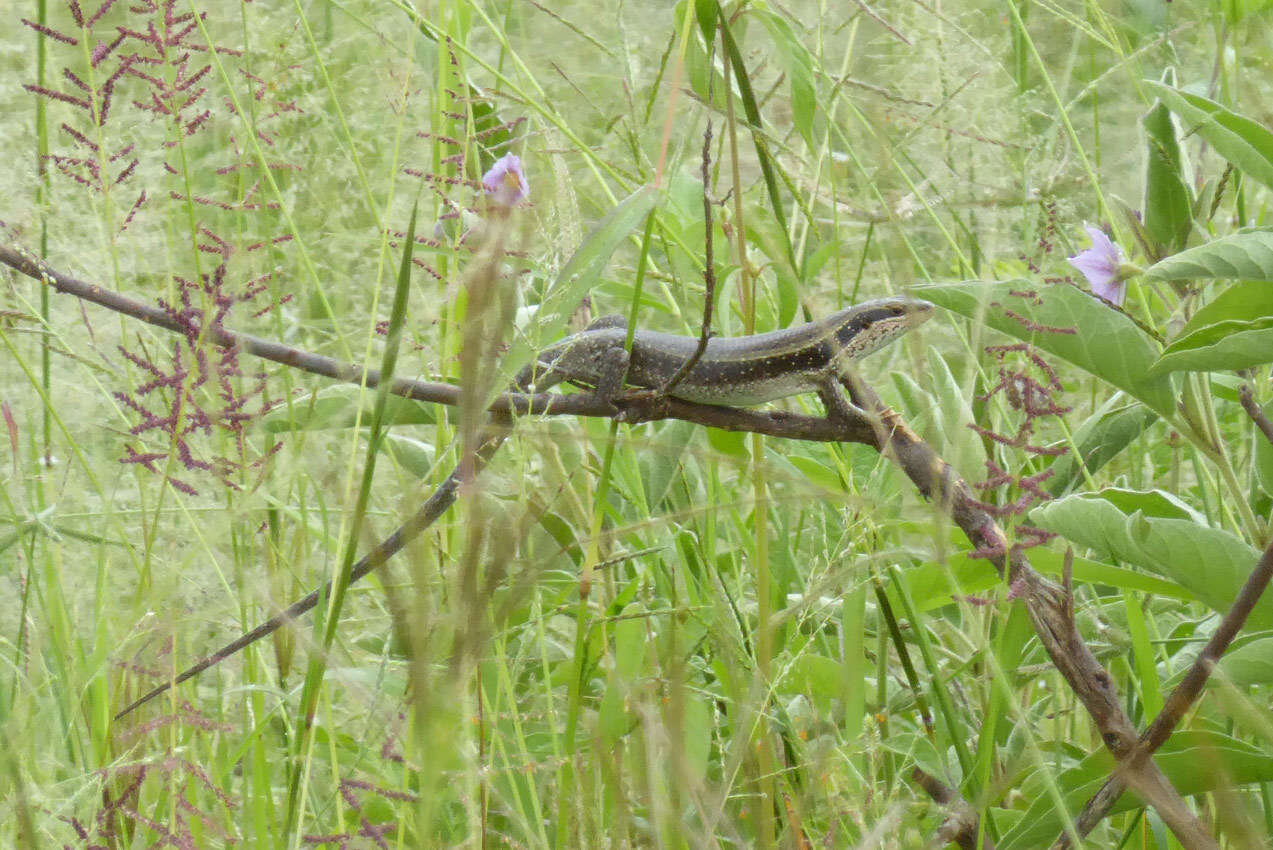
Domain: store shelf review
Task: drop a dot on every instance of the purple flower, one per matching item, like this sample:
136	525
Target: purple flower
1102	265
505	184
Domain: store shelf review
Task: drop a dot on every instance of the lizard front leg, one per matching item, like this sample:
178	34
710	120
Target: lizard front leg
838	406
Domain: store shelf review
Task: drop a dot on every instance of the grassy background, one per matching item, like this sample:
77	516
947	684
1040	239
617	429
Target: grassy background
496	708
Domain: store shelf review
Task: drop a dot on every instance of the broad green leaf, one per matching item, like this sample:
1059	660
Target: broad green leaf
933	585
942	420
660	464
796	62
1100	439
814	675
613	719
962	446
1224	346
1069	323
340	406
818	474
733	443
1242	141
1236	10
1244	300
1156	531
706	11
1250	664
1247	254
1195	761
699	733
853	640
1167	206
1132	223
415	456
629	643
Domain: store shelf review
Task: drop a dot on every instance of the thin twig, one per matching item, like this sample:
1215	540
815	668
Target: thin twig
1253	410
709	271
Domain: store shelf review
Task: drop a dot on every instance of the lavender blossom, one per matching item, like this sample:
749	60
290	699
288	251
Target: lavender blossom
505	184
1104	267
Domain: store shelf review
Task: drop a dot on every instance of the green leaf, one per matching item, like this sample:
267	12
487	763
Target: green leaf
1250	664
1156	531
660	465
733	443
816	676
1239	9
817	473
1224	346
1247	254
1100	439
752	110
340	406
1244	142
699	732
629	643
1242	300
796	62
962	447
1195	761
1069	323
613	720
415	456
932	585
1167	206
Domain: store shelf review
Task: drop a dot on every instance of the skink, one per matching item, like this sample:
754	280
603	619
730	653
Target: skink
737	371
733	371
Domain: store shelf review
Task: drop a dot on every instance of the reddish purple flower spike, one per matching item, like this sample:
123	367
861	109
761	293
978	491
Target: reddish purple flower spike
1101	264
505	184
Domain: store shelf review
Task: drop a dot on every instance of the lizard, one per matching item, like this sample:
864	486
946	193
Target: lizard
737	371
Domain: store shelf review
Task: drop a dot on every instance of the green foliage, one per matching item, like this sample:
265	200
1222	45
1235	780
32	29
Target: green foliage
1245	255
1179	759
1069	323
1224	346
1158	532
1241	140
627	635
1167	202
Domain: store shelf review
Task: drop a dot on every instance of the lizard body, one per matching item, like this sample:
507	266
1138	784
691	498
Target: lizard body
738	371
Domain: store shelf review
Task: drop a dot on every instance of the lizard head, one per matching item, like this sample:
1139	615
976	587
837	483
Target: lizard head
869	326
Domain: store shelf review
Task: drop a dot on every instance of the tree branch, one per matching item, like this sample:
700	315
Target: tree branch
1179	701
1253	410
